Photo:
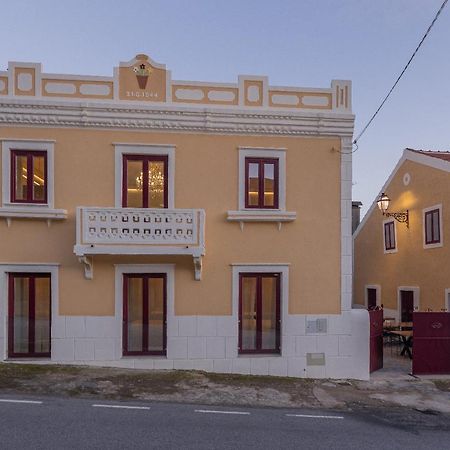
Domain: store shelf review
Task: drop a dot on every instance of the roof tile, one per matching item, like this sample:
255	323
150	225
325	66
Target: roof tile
444	155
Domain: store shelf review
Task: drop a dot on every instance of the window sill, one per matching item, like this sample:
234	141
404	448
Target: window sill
436	245
32	212
261	215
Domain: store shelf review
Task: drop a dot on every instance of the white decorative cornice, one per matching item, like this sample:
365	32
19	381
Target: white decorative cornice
30	112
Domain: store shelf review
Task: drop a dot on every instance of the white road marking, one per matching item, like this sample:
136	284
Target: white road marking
309	416
121	406
211	411
32	402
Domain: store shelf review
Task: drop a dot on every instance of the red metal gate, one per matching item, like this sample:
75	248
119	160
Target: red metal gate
376	339
431	343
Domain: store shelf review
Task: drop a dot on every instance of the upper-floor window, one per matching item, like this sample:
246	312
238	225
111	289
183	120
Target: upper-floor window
262	187
144	175
145	180
389	236
262	180
28	176
261	183
432	227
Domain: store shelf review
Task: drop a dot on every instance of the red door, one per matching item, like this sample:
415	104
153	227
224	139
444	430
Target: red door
376	339
406	306
371	298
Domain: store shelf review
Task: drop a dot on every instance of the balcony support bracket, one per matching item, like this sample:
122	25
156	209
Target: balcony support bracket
88	262
198	267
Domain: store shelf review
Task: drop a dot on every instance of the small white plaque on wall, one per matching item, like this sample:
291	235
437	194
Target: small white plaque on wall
315	359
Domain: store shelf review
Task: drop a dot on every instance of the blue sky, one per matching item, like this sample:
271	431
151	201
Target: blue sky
293	42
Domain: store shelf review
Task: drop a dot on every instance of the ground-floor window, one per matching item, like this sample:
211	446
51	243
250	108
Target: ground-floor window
29	315
259	312
144	314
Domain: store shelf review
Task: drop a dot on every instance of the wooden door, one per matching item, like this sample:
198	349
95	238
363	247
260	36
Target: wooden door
371	298
406	306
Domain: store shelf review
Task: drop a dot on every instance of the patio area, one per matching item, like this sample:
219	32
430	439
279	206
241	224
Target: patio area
395	366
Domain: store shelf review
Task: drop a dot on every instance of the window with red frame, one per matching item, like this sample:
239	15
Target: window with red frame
28	176
145	179
259	313
389	235
432	227
261	183
29	315
144	314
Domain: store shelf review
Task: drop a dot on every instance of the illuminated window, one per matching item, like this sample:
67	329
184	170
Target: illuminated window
28	176
144	182
261	183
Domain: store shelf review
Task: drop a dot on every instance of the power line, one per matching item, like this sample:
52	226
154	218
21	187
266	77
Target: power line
401	74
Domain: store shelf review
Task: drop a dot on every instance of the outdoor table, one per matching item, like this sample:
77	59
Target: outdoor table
406	337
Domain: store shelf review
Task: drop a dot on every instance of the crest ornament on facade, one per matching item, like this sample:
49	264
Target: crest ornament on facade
142	73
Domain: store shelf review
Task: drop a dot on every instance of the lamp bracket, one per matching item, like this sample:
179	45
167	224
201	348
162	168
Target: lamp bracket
88	262
402	217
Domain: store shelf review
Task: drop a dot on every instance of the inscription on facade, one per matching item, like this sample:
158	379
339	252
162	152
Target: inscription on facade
141	94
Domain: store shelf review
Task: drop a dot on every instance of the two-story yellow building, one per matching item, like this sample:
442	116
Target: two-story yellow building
401	257
161	224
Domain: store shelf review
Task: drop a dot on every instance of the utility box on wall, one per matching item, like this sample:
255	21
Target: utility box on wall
316	326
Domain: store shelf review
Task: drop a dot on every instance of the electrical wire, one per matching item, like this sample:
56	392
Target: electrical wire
399	77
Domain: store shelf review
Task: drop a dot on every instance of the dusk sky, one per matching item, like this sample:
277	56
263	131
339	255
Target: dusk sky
294	42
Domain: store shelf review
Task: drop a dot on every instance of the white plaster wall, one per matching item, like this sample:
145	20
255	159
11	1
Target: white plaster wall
207	343
210	343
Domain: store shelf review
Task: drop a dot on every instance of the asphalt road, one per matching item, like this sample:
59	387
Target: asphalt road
61	423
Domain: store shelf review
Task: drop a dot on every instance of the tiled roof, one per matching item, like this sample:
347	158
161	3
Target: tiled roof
445	155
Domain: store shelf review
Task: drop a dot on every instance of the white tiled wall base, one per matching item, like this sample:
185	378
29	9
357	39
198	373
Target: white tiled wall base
209	343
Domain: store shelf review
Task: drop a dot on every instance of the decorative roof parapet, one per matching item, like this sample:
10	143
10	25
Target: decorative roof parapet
145	82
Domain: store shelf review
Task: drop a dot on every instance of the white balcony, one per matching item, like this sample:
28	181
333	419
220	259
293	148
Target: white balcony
140	231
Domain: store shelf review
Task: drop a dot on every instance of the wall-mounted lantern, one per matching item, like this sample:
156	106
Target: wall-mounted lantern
383	204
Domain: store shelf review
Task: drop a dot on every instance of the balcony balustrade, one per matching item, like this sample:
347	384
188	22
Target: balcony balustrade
139	231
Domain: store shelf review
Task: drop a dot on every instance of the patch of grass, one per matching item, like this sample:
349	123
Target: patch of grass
259	380
31	370
171	377
13	375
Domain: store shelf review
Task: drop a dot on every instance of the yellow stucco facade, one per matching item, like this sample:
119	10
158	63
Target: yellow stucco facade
208	235
418	184
206	176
